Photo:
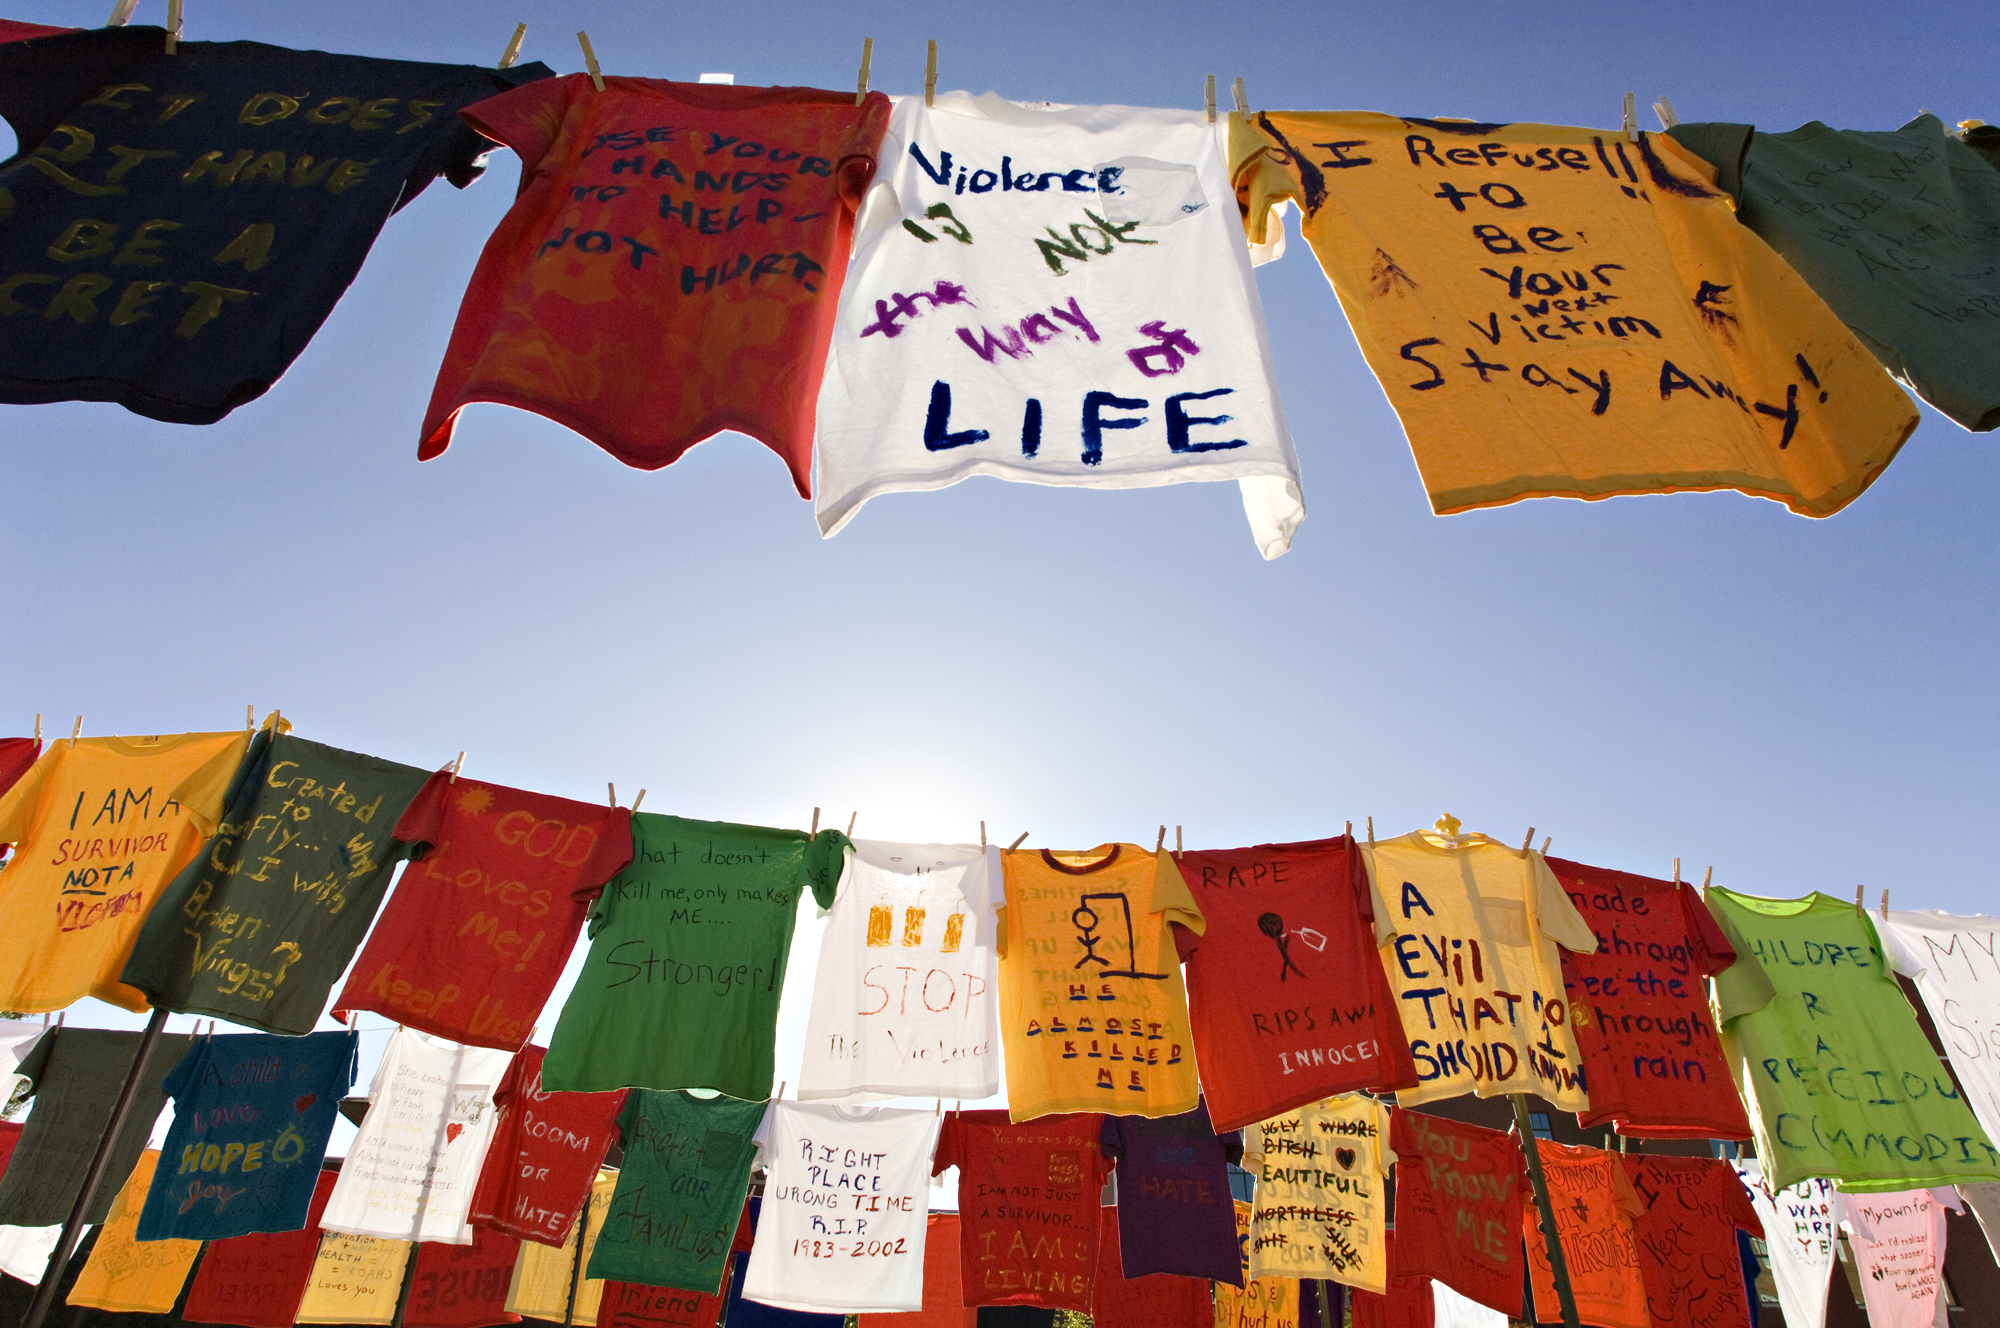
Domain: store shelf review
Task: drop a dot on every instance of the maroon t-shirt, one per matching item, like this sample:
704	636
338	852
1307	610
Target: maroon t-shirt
1404	1303
1459	1194
1176	1216
1687	1238
1640	1011
463	1286
1027	1205
1286	992
1157	1300
257	1281
545	1153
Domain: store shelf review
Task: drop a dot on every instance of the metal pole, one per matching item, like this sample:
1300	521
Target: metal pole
409	1280
1326	1304
576	1260
93	1179
1558	1265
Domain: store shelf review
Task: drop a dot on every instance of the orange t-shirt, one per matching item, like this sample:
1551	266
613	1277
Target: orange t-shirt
1595	1207
671	267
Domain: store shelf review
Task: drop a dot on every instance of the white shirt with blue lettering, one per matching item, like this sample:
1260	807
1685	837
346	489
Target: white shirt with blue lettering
1055	294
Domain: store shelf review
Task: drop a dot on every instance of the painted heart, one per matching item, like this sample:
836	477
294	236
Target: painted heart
452	1131
1344	1156
303	1104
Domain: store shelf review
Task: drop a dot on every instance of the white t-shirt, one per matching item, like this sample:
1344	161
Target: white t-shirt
1800	1235
845	1208
1898	1243
410	1172
25	1251
903	1005
1055	294
1951	961
1451	1310
17	1038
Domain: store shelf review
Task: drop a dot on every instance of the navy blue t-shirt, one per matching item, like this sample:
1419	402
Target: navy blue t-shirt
176	227
252	1114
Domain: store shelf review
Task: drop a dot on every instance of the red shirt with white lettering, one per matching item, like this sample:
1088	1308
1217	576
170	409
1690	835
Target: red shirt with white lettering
1027	1205
472	942
1286	992
1459	1196
1651	1059
545	1153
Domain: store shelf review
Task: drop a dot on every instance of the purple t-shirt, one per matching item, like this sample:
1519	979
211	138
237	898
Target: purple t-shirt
1175	1212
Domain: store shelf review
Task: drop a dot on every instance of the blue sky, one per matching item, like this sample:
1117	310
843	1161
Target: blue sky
1804	705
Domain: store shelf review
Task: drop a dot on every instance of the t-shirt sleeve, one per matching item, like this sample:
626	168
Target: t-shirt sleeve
527	119
36	1063
1110	1139
611	856
1186	943
1232	1146
984	892
41	82
1559	920
1171	896
1738	1206
1384	1133
1722	146
1623	1196
947	1145
1385	927
1262	183
422	823
856	170
1708	947
182	1076
19	804
511	1084
760	1139
1744	987
204	794
825	854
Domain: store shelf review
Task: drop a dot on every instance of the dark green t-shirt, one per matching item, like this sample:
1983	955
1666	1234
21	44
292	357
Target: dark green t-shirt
680	1191
1898	231
687	958
78	1073
258	926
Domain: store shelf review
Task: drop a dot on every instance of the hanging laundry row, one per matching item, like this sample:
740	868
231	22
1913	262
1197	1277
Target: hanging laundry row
896	294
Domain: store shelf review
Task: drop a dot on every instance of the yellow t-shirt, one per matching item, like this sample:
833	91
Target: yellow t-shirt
1558	312
129	1275
1321	1207
355	1279
1468	931
540	1289
1093	1014
99	826
1266	1302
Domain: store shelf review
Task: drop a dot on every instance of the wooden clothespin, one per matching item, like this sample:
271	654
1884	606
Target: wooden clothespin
1677	873
121	13
611	790
1177	840
38	728
1371	832
513	51
850	823
982	834
815	830
1860	908
1665	110
1885	903
76	730
1242	98
1349	832
1163	841
636	801
1018	842
173	26
457	766
1707	875
1631	118
590	61
930	76
1528	844
250	718
867	53
781	1090
1210	98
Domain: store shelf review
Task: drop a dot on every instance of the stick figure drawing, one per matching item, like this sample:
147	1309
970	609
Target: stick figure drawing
1273	926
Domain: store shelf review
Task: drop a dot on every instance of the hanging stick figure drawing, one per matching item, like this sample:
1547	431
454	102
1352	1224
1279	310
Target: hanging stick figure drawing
1273	926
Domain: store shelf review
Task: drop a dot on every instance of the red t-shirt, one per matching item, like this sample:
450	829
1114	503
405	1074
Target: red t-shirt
1594	1209
257	1281
671	267
1027	1206
13	30
545	1153
1157	1300
1650	1056
636	1305
478	930
944	1293
1405	1303
10	1137
463	1286
16	754
1687	1239
1286	992
1459	1191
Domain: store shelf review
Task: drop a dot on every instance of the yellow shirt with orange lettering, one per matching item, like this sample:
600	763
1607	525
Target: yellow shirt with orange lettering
1557	312
129	1275
1093	1012
99	826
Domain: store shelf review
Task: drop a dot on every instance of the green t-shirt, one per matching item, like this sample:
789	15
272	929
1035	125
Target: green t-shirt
1829	1057
687	958
680	1191
257	927
1898	231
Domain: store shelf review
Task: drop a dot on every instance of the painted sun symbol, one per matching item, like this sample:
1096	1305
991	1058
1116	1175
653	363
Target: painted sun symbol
475	800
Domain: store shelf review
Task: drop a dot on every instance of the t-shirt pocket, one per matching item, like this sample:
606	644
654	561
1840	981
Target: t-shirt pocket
1506	921
1149	192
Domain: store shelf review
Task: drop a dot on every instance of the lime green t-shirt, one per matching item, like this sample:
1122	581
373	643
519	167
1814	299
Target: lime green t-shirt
1838	1076
687	959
